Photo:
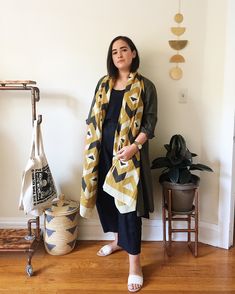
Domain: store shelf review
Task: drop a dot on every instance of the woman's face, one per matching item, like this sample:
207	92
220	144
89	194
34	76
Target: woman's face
122	55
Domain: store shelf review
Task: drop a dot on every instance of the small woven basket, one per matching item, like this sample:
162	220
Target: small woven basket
61	226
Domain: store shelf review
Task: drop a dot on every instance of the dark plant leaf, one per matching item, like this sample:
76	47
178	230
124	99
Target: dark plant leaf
182	145
185	163
195	179
200	166
173	157
165	170
174	175
188	155
172	141
160	162
185	176
163	177
167	146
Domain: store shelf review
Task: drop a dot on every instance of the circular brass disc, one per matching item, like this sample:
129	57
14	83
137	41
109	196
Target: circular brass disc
178	31
176	73
179	18
178	44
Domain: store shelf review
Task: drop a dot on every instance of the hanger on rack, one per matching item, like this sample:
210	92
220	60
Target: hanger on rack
39	120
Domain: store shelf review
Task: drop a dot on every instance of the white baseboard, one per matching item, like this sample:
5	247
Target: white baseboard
151	231
16	222
13	222
90	229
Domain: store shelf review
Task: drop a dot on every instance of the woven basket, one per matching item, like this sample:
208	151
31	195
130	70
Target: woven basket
61	227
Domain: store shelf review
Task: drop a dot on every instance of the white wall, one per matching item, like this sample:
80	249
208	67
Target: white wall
227	151
63	45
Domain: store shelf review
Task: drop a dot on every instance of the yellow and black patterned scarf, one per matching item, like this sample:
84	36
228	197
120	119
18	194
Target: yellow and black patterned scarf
122	179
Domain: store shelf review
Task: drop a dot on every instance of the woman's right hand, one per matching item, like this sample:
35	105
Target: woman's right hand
127	152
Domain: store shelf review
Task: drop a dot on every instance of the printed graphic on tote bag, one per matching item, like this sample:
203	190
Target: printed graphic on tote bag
43	185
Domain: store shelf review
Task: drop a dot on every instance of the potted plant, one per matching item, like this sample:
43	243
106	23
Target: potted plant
177	176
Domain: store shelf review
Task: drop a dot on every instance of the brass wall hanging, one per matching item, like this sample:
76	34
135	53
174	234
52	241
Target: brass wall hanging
176	72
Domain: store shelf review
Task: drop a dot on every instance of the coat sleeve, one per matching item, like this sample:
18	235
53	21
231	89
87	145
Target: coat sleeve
93	102
149	118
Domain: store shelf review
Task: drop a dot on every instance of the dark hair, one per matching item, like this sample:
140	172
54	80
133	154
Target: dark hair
112	69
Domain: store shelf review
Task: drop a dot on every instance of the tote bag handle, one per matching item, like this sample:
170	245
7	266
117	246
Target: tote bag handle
39	149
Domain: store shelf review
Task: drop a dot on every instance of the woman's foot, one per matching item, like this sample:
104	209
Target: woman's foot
108	249
135	279
135	282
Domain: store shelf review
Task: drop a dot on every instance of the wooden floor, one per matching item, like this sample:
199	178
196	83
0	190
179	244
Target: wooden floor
81	271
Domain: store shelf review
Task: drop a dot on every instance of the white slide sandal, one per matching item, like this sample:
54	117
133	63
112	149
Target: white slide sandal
107	250
134	280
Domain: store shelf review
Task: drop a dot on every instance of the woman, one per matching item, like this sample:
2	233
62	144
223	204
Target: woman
116	172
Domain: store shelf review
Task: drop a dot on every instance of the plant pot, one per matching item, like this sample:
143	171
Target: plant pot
182	195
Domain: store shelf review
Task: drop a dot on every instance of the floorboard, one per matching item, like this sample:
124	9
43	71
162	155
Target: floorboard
82	271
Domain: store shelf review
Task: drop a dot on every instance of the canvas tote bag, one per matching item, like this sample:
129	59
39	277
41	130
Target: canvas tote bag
38	188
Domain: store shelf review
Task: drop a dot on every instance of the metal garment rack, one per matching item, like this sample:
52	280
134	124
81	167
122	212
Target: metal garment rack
23	240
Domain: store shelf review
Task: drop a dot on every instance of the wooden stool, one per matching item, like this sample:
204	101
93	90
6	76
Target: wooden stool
171	216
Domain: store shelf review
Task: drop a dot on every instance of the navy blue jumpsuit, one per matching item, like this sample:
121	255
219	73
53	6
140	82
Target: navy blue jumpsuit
127	225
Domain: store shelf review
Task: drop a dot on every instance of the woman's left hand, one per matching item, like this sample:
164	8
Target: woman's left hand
127	152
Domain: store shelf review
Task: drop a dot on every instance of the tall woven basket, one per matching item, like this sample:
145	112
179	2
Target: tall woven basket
61	226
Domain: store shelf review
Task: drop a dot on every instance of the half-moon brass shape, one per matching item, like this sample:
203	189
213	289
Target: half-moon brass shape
179	17
178	44
176	73
178	31
177	58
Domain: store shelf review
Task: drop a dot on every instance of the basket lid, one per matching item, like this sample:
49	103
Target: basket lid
62	207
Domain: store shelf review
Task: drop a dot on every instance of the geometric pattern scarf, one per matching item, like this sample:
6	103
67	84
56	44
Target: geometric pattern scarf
122	179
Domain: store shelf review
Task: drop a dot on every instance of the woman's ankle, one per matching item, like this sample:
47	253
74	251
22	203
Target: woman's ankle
114	244
135	264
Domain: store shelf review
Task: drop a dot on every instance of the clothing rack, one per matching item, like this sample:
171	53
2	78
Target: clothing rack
23	240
